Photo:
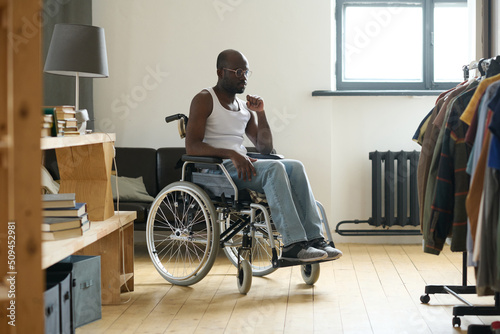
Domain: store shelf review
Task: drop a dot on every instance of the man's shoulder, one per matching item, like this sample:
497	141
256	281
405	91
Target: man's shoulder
204	94
202	103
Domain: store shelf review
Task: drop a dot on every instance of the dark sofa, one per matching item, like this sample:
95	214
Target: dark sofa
158	168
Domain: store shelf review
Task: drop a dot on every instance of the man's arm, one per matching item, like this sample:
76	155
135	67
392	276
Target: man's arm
200	110
258	130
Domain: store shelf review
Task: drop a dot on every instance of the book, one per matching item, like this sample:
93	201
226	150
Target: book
71	123
71	133
48	118
66	234
58	200
63	223
76	211
50	111
65	112
46	132
64	108
60	125
65	115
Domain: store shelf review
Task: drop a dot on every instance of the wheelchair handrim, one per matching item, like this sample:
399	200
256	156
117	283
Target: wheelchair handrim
200	249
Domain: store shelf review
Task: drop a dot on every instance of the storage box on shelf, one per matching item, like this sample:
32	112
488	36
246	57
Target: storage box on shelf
59	283
84	293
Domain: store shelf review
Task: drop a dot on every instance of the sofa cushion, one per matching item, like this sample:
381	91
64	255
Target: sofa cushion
138	161
167	169
130	189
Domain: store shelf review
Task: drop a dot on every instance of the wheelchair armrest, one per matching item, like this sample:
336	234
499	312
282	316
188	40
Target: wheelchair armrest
265	156
201	159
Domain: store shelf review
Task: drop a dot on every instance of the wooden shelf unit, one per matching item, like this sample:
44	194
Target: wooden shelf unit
84	164
106	239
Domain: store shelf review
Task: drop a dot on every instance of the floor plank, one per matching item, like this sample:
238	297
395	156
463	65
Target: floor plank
371	289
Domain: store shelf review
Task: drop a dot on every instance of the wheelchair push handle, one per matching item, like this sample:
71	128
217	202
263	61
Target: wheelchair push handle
175	117
183	119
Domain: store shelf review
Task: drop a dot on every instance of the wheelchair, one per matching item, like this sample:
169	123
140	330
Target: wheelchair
191	219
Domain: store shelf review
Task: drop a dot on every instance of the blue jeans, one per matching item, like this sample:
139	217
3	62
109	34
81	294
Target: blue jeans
289	195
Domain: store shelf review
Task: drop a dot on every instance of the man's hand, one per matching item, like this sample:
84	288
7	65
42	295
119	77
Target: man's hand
255	103
244	166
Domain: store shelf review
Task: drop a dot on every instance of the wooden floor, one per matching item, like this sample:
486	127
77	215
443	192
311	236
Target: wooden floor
371	289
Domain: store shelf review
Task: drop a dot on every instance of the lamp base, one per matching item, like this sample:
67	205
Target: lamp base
82	116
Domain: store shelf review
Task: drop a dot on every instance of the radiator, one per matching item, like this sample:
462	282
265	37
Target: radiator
394	194
396	201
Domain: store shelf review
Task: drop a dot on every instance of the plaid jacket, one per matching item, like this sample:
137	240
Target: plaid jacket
447	213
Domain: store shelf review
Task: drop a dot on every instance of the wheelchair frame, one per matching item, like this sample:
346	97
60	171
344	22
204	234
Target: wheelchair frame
204	218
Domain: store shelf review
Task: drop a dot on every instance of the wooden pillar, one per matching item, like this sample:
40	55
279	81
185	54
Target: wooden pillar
20	238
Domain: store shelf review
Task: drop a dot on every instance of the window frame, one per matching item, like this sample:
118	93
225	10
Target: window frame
427	83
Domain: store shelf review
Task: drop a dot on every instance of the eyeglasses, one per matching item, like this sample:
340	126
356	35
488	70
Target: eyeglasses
240	72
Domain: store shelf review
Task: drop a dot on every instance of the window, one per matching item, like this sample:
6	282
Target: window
400	45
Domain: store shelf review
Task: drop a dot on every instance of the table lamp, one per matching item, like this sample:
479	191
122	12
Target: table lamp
77	50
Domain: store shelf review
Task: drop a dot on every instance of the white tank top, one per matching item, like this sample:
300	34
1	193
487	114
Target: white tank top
226	128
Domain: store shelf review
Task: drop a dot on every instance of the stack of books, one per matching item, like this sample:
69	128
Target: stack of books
50	114
67	116
47	124
63	217
65	123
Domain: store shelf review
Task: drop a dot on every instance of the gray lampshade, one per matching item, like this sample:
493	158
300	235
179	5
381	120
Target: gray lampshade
77	50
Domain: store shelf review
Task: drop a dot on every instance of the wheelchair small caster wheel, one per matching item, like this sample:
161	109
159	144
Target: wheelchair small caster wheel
310	273
244	277
456	321
425	299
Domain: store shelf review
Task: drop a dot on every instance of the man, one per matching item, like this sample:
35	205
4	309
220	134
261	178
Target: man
217	122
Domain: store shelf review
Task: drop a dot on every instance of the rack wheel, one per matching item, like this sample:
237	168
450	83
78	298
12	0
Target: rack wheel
310	273
456	321
244	277
425	299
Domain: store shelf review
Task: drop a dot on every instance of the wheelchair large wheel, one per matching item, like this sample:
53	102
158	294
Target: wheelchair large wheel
261	249
181	233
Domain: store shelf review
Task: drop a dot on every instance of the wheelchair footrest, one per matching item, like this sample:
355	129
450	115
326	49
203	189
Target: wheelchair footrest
281	263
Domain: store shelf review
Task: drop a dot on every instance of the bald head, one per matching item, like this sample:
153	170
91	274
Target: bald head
228	63
228	57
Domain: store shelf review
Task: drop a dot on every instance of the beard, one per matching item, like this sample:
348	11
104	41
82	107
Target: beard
233	88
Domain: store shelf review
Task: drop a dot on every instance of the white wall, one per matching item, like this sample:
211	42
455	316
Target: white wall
288	45
495	26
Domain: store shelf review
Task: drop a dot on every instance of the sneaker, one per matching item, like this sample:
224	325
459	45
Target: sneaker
303	252
333	253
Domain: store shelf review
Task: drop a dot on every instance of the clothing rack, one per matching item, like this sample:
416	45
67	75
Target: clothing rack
456	290
482	65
